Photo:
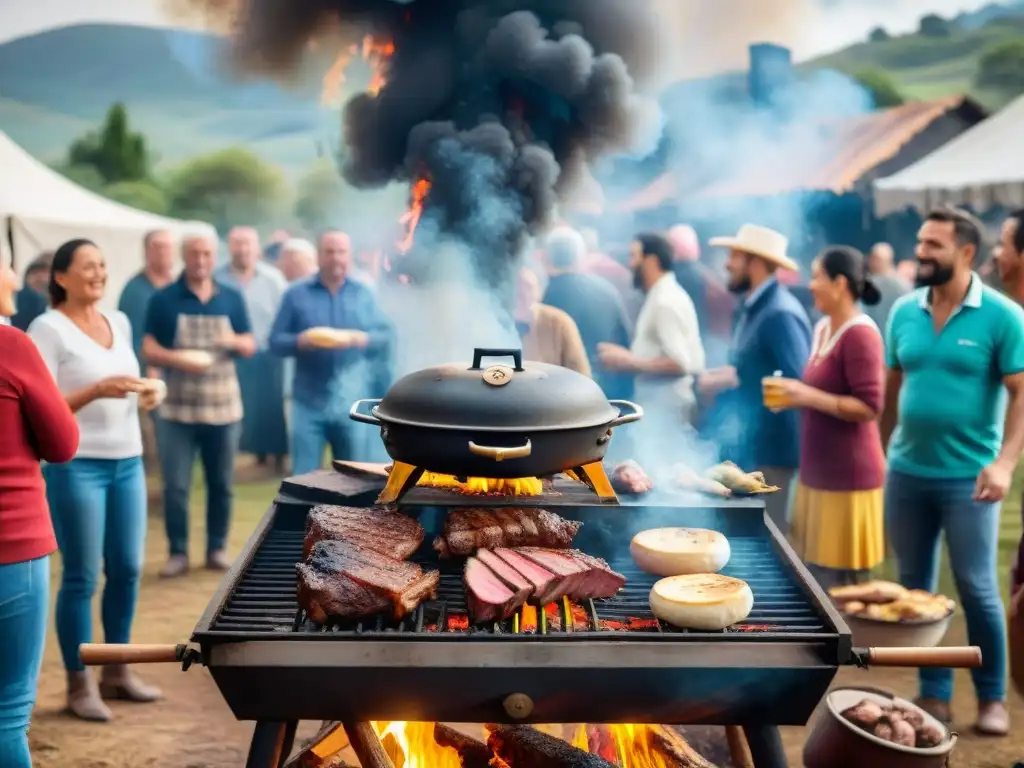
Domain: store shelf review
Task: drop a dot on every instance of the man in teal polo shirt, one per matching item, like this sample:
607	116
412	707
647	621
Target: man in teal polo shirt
955	349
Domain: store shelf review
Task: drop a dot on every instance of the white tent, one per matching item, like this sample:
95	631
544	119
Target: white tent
982	167
40	209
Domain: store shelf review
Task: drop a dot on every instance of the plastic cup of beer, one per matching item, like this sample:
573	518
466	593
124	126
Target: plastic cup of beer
775	399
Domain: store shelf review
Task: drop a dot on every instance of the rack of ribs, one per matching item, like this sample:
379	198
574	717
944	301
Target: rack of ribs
381	529
344	579
467	530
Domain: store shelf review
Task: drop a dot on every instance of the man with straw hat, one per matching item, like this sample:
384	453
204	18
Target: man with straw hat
772	337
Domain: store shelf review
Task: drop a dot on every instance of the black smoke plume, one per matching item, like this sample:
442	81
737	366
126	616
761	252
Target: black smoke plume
500	104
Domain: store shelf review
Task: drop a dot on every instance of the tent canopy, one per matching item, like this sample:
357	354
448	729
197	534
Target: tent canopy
40	209
982	168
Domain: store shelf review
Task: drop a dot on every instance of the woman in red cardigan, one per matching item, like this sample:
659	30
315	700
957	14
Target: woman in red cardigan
837	526
35	425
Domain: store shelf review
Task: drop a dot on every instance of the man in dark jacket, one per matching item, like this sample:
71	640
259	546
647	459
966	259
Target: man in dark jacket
591	301
773	335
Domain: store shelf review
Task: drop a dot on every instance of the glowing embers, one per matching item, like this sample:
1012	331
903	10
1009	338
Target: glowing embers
489	486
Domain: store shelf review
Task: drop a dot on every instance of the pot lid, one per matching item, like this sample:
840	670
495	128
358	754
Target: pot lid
497	392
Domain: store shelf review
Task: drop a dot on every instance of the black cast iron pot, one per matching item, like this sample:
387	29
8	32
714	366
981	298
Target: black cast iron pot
501	421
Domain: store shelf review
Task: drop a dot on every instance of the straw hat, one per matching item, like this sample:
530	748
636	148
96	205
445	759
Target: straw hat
762	242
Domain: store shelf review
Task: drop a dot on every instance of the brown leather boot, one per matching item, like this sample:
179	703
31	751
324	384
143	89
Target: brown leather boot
119	682
84	699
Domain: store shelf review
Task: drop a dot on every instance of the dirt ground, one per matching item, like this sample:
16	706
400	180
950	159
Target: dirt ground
193	728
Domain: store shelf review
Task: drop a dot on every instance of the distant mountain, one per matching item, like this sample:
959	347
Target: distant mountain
989	13
176	86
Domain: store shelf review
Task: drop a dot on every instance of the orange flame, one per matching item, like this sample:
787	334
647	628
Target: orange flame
375	52
411	219
520	486
412	744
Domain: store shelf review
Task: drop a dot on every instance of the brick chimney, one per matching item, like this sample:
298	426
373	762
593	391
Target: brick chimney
771	73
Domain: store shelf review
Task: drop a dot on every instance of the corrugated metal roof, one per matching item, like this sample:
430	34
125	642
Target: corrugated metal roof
841	151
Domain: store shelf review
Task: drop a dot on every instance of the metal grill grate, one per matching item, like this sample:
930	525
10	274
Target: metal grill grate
264	601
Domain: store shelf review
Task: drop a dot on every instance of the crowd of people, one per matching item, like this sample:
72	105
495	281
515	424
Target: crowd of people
897	413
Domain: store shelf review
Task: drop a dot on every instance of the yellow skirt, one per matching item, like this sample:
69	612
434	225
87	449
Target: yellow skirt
844	530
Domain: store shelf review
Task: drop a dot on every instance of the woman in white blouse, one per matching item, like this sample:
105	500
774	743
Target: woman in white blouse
97	500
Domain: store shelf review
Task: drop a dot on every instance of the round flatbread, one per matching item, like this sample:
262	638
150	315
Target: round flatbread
198	357
679	551
708	601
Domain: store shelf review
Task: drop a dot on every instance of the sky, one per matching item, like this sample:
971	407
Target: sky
825	24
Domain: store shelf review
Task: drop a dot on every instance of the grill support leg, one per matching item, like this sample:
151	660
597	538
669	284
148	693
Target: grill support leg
765	744
271	743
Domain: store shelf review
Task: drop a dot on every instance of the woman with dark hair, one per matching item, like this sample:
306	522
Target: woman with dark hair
838	525
97	500
37	426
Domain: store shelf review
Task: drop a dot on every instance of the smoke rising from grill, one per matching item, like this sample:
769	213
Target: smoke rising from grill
499	104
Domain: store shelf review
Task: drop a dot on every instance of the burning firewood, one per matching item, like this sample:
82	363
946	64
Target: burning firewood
674	748
472	753
521	746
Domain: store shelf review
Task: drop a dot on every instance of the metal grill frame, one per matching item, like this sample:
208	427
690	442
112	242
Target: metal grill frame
604	676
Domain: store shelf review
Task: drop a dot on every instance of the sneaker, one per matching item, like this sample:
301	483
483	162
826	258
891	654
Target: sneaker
176	565
993	719
936	708
218	560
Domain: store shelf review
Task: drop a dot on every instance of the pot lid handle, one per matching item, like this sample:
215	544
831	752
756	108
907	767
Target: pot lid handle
516	354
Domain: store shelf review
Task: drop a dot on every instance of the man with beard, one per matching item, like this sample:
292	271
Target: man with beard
666	353
772	337
954	348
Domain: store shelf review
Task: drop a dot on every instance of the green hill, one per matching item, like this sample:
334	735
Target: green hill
931	67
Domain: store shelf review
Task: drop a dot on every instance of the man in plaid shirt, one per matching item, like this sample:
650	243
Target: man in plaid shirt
203	410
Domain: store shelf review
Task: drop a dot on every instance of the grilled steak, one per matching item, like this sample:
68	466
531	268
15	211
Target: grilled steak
346	580
523	745
539	578
378	528
487	596
467	530
578	575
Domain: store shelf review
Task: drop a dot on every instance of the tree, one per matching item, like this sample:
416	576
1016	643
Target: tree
138	194
116	152
225	188
933	25
83	175
878	35
320	192
881	86
1002	66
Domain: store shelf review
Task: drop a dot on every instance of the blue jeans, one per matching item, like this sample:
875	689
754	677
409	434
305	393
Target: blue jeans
312	431
216	445
917	511
24	603
99	515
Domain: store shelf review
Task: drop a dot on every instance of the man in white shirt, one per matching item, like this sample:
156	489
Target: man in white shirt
666	352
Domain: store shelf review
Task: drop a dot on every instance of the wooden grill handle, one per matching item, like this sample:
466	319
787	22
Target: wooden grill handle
99	654
967	657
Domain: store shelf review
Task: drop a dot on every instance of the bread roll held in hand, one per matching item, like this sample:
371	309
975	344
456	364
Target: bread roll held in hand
708	601
679	551
334	338
199	359
154	393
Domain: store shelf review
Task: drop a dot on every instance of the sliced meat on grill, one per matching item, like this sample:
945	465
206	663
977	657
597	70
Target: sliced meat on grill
381	529
541	579
489	599
467	530
521	745
580	576
509	576
347	580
